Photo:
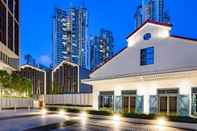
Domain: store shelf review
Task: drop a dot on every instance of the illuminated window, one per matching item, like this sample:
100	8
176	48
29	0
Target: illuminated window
147	56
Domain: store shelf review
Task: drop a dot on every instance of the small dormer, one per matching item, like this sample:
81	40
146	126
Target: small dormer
149	31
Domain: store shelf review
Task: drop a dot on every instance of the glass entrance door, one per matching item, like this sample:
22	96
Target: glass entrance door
163	104
132	103
106	100
196	102
128	103
125	103
168	104
172	104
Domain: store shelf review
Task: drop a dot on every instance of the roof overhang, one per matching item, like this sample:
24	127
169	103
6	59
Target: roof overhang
184	73
152	23
32	67
65	62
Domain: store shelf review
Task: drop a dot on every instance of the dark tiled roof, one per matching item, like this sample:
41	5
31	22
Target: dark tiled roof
182	37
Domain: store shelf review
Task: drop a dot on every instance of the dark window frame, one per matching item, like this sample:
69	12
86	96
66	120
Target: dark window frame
147	56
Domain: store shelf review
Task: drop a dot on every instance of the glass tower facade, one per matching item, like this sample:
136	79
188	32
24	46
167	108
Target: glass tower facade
101	48
9	34
69	35
151	10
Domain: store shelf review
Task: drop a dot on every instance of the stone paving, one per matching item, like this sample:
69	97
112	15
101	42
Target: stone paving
57	122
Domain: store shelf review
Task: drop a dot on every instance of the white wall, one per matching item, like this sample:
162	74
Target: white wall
69	99
170	53
16	102
145	88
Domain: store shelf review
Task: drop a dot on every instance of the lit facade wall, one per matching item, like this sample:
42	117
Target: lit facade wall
101	48
70	36
151	10
146	89
9	34
37	77
168	80
65	78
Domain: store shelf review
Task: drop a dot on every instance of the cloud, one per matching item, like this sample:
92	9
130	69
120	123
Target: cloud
44	60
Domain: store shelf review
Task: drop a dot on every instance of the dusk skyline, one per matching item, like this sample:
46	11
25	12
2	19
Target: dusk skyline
36	22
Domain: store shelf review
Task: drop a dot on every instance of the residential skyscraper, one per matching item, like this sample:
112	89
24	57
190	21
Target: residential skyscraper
101	48
9	35
151	10
138	16
69	35
29	60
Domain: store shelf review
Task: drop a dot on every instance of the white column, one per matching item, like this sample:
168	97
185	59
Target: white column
95	99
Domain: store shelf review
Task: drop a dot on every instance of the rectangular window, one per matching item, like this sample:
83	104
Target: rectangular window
106	100
2	23
147	56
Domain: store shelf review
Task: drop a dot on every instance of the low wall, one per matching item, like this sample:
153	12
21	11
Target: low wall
69	99
16	102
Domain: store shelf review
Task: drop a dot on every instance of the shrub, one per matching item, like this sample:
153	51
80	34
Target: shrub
95	112
73	110
182	119
140	116
106	109
52	108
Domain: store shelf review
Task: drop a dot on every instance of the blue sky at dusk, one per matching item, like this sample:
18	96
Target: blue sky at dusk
115	15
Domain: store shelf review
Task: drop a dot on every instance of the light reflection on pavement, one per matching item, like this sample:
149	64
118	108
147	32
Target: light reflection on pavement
79	124
109	125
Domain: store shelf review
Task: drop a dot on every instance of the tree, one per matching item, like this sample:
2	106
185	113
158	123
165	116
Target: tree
15	83
21	84
5	79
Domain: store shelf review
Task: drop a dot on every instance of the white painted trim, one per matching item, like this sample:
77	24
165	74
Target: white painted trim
73	64
150	24
30	66
150	76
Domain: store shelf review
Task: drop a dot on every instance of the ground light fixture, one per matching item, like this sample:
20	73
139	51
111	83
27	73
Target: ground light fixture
83	118
61	112
83	115
44	111
116	118
161	121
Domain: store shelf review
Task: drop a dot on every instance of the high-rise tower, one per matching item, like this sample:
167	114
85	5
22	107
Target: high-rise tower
69	35
9	35
151	10
101	48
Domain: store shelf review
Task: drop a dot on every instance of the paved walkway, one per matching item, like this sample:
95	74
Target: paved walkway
24	120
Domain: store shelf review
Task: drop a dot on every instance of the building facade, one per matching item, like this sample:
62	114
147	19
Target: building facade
37	77
9	35
156	73
29	60
65	78
70	35
101	48
151	10
84	74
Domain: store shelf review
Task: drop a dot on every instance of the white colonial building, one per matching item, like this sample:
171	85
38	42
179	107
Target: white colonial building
156	73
